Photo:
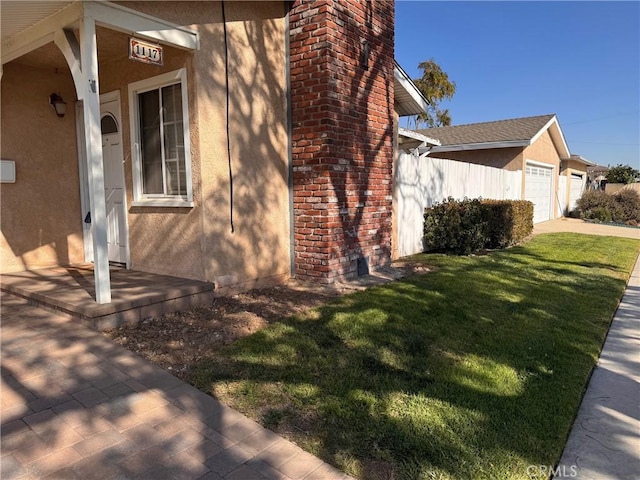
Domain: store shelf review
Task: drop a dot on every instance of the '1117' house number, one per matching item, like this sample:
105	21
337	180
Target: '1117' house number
145	52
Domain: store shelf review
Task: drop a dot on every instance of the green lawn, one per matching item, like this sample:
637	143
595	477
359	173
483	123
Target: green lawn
474	370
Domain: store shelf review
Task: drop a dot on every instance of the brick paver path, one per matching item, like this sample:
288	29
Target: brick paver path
74	405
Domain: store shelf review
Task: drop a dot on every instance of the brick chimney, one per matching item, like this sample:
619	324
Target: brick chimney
341	64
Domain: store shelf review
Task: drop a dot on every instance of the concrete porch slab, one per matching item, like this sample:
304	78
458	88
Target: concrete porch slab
135	295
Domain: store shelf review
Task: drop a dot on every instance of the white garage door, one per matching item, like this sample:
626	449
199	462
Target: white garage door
575	190
538	188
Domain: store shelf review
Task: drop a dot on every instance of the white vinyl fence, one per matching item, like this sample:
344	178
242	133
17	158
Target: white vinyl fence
421	181
562	195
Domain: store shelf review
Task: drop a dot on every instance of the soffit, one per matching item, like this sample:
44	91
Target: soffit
408	100
30	25
17	16
111	45
404	102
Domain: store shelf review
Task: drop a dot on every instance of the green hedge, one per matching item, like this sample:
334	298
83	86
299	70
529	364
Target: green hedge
510	221
467	226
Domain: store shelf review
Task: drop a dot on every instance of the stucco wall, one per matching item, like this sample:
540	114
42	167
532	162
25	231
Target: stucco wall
162	240
197	242
569	168
572	166
40	221
260	246
544	151
507	158
616	187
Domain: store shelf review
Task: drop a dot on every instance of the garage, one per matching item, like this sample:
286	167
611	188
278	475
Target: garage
576	187
538	189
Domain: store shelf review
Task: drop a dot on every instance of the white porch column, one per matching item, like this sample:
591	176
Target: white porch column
89	90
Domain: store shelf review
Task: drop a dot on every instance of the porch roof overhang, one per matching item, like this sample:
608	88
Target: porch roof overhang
409	140
28	25
407	98
580	159
34	24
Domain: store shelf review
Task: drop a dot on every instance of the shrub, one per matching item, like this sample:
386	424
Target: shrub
510	221
523	220
629	202
467	226
591	199
455	226
601	214
623	206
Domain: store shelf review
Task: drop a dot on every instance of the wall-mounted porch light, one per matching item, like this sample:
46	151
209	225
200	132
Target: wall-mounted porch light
58	104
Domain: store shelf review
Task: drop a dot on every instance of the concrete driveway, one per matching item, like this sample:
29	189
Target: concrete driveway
574	225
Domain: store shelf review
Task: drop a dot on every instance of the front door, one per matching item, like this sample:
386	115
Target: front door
114	186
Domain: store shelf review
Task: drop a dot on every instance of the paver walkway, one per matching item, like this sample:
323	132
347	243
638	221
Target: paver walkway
74	405
604	443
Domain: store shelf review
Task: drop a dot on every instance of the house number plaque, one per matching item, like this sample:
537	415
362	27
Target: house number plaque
145	52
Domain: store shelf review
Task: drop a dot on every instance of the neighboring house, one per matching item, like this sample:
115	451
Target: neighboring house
245	142
597	176
533	145
420	181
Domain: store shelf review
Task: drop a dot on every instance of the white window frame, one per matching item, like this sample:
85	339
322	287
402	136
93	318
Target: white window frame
136	88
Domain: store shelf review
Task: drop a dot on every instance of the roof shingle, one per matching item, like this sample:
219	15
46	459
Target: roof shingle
499	131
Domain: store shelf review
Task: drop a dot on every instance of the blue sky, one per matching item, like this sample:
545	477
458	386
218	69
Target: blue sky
579	60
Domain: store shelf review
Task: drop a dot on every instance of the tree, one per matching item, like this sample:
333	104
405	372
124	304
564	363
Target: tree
436	87
622	174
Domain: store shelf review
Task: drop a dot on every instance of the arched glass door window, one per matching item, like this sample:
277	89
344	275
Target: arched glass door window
108	124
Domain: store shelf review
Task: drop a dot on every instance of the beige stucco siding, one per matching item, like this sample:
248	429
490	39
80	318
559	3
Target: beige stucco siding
572	166
197	242
506	158
40	222
259	246
616	187
568	168
161	240
543	150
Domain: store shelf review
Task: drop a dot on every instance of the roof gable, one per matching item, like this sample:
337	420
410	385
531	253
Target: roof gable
516	132
498	131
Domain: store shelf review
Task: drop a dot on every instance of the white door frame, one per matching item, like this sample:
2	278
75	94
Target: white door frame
84	188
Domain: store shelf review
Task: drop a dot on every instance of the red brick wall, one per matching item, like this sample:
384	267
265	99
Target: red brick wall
342	137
